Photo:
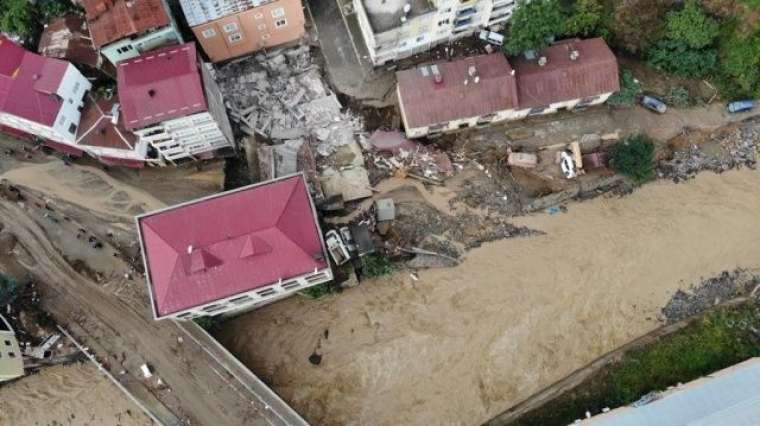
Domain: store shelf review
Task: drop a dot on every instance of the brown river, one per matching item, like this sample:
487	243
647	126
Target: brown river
463	344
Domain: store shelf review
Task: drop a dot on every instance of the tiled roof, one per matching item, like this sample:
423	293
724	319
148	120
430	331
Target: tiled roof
594	72
426	102
160	85
112	20
96	127
28	82
230	243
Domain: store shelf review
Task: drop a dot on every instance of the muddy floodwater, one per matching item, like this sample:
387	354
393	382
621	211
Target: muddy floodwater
461	345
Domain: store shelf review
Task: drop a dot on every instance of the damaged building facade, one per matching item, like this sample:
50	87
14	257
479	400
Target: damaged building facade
396	29
172	104
233	251
123	29
228	28
475	92
39	97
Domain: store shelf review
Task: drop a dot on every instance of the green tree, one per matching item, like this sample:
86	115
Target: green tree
636	24
533	24
692	26
17	17
585	18
740	66
676	57
629	90
634	157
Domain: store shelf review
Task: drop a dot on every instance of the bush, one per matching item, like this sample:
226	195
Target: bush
375	265
629	90
634	157
9	289
692	26
533	24
585	19
679	97
739	68
319	290
676	57
17	17
208	323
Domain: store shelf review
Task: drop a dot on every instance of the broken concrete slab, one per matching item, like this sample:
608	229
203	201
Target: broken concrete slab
351	183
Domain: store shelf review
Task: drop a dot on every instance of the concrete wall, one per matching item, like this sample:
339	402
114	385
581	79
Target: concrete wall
269	25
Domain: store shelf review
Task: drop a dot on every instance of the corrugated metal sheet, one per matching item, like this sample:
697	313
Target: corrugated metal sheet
160	85
230	244
111	20
730	397
594	72
426	102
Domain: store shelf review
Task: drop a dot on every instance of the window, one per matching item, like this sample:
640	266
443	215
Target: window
267	292
76	86
235	38
70	101
11	354
464	125
280	23
420	39
72	128
230	28
241	299
278	12
290	285
444	22
534	111
208	33
7	343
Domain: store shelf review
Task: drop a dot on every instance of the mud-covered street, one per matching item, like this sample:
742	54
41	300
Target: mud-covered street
462	344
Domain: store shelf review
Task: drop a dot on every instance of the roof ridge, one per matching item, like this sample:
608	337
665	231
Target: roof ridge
285	206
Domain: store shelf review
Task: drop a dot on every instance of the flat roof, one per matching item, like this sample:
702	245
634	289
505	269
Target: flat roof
230	243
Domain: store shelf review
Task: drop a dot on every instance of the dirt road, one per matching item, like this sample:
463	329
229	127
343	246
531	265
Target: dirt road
463	344
104	301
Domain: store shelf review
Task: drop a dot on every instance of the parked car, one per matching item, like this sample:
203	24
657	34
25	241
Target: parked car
741	106
654	104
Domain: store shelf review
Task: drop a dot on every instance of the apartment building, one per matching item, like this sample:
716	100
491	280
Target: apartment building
39	97
230	28
169	100
123	29
481	90
396	29
234	251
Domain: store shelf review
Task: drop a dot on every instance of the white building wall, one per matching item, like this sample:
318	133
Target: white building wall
72	90
139	151
185	137
242	302
128	48
27	126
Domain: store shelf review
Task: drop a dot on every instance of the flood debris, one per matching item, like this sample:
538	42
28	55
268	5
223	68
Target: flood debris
708	293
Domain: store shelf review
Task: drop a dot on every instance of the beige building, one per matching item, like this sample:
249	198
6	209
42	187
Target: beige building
481	90
228	29
396	29
11	363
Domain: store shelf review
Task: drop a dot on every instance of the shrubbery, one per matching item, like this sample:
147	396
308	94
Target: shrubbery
533	24
634	157
629	90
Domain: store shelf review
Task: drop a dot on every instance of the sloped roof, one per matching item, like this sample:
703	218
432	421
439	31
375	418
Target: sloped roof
28	83
426	102
67	38
594	72
96	127
160	85
230	243
112	20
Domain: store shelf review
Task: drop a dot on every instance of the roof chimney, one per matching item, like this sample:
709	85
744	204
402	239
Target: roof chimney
542	61
574	54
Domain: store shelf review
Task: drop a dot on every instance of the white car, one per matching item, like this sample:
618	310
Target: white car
567	165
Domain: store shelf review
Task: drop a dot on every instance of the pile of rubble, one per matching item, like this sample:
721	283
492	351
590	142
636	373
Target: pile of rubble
392	152
709	293
734	148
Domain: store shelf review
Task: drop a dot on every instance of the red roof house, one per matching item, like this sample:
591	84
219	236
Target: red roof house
234	250
39	96
171	102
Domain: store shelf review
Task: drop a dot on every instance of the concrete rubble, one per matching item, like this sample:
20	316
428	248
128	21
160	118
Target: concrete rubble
393	152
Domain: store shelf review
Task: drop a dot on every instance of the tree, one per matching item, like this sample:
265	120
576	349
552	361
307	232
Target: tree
533	24
17	17
629	90
8	289
740	66
637	24
676	57
634	157
585	18
692	26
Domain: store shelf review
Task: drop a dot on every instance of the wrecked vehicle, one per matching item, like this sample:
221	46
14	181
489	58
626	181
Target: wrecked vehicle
336	247
567	165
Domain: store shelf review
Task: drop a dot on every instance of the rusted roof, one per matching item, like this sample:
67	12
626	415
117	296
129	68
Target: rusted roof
593	72
97	127
67	38
112	20
426	102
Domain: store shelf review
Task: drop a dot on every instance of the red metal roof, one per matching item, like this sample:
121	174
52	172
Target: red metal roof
96	128
160	85
28	82
594	72
426	102
112	20
67	38
229	244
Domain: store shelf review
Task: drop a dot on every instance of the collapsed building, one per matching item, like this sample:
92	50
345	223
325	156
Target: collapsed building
68	38
478	91
396	29
231	28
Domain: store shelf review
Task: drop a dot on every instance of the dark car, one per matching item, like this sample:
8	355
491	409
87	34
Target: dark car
741	106
654	104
